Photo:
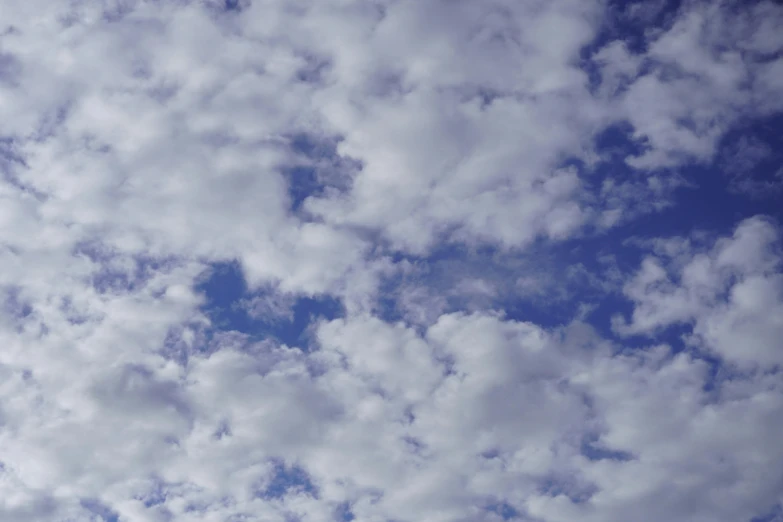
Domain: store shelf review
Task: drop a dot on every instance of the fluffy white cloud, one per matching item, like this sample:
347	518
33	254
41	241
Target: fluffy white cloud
716	64
422	161
731	294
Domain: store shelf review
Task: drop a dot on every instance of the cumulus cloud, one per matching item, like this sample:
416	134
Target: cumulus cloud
437	313
711	67
730	293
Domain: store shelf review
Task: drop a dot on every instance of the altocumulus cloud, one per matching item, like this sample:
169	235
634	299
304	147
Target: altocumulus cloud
391	260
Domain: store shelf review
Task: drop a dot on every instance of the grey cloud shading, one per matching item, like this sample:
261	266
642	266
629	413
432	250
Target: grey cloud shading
458	179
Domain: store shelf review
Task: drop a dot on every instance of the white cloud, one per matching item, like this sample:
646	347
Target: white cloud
143	142
731	294
698	82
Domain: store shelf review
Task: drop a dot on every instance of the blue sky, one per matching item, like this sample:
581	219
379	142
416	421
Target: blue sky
391	260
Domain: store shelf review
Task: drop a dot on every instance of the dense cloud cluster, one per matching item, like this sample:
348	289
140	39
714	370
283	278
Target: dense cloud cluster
391	260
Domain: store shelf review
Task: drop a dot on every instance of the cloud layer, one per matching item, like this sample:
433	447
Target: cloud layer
390	261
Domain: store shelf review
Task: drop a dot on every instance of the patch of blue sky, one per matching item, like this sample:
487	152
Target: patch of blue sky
12	160
450	267
155	497
223	287
233	5
505	510
415	446
302	183
118	273
100	510
288	480
227	294
717	373
592	450
708	205
317	166
775	514
744	179
10	156
14	304
698	199
343	513
226	7
617	140
631	20
314	71
561	277
568	487
751	157
702	201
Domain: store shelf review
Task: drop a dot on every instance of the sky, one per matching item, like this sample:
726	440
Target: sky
391	261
